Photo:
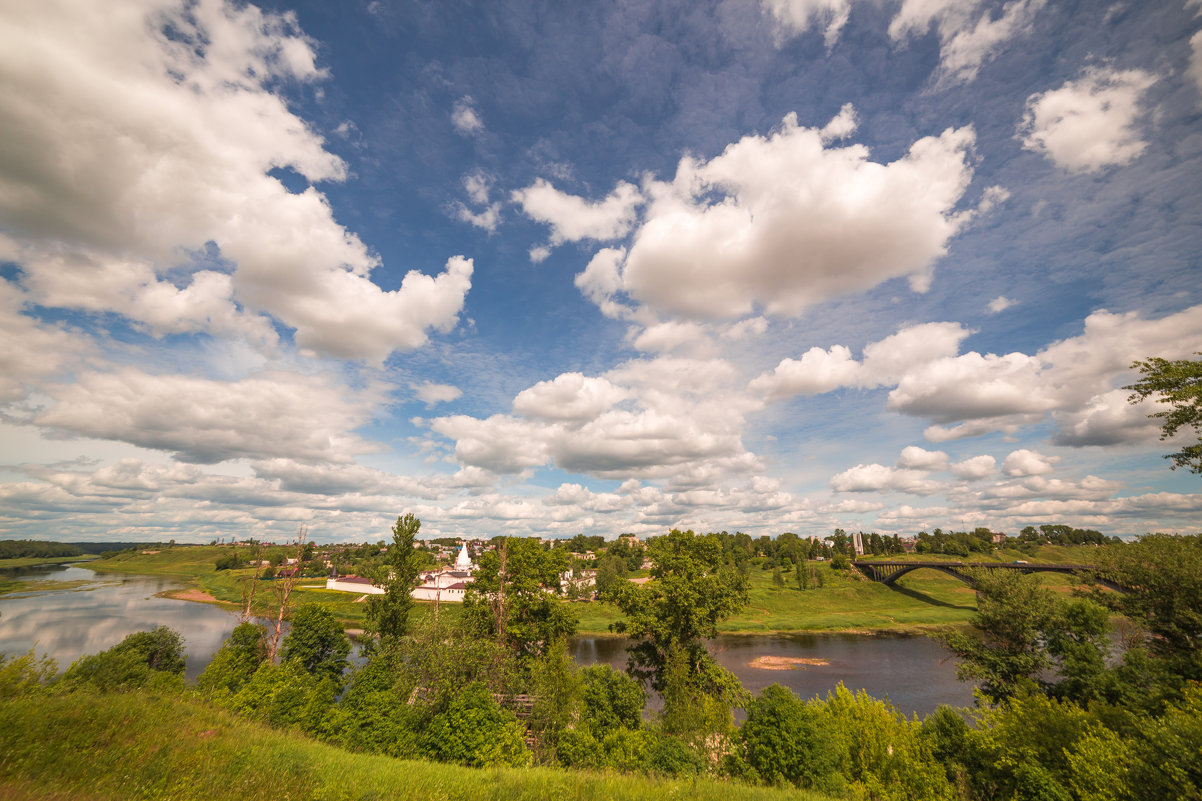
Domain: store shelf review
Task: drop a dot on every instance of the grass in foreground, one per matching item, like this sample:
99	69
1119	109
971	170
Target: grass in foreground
128	746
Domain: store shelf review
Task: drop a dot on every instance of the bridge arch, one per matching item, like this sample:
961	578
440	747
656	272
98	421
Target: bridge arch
888	573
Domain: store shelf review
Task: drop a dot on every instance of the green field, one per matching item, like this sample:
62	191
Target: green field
143	746
921	600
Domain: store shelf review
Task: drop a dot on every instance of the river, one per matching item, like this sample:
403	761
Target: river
915	673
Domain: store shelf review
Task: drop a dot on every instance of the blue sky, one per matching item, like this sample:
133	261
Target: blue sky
544	269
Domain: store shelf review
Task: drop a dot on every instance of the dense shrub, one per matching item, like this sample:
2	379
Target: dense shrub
785	743
474	730
142	658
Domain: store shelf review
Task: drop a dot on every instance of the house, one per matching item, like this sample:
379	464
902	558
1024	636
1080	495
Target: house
579	585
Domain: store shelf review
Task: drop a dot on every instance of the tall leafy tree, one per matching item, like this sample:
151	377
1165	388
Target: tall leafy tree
317	641
1025	638
1164	575
388	614
514	597
474	730
1005	652
1178	384
692	588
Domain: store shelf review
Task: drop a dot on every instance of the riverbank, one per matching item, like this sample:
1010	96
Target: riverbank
846	603
34	561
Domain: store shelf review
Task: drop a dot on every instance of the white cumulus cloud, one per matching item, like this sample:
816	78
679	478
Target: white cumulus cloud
795	16
969	33
573	218
783	222
880	478
155	138
570	396
916	458
1000	304
974	467
1024	462
1088	124
273	414
431	394
884	362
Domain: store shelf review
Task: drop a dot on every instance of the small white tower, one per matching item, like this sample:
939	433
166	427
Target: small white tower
463	561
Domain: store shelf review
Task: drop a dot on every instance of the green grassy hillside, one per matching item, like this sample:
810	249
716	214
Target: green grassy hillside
128	746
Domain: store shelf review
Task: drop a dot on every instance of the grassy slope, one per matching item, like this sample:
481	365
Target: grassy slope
922	599
83	746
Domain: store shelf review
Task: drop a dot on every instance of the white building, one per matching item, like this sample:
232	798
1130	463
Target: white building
447	585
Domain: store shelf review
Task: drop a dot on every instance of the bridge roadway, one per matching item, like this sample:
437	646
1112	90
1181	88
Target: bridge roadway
889	572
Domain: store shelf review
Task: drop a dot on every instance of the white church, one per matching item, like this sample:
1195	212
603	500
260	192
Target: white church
445	585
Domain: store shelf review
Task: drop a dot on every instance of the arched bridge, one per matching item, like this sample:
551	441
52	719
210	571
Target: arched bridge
889	572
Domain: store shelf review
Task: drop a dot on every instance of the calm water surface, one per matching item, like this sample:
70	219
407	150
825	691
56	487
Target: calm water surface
915	673
66	624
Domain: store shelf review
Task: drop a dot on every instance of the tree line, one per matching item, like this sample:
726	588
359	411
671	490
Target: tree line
37	549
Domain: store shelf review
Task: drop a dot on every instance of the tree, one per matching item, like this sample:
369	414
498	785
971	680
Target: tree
388	614
1006	652
785	743
609	570
514	597
612	699
282	589
1028	639
1178	384
691	590
1164	575
317	641
237	659
374	712
134	662
161	649
556	686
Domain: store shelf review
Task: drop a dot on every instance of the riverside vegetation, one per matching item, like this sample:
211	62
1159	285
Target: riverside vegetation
776	569
1062	712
